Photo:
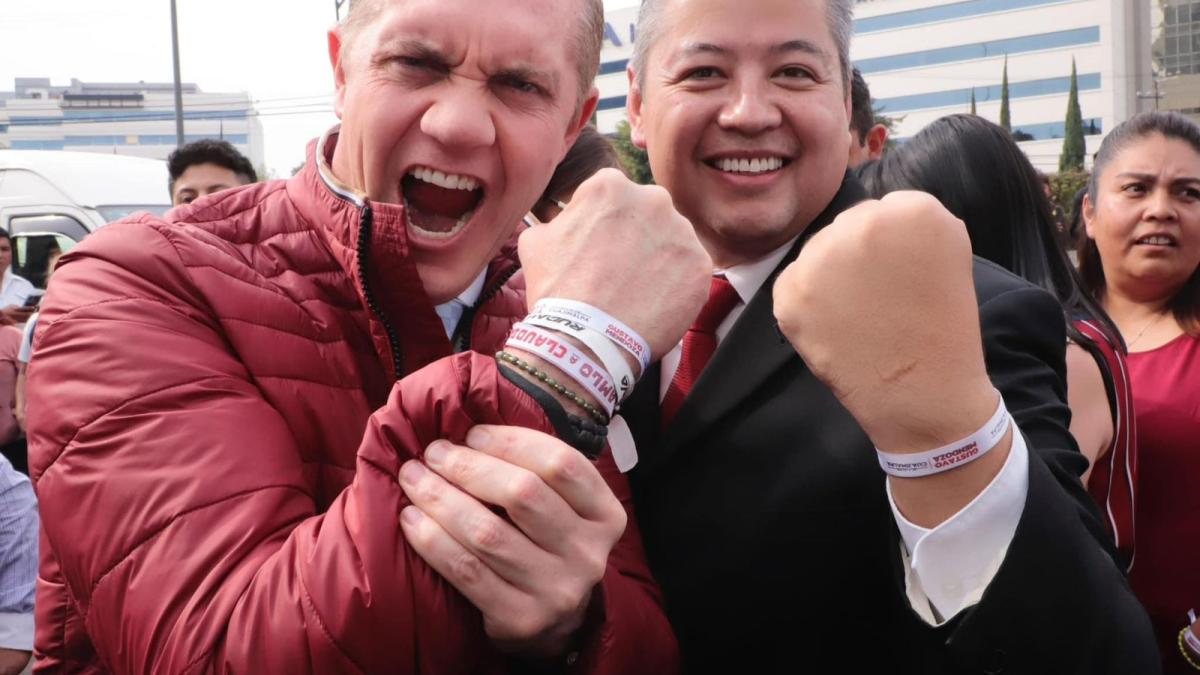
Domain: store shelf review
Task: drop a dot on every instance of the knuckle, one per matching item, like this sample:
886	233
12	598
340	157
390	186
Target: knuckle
467	569
486	534
564	468
530	625
425	492
563	600
525	492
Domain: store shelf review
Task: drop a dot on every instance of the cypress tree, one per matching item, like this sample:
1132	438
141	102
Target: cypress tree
1005	121
1073	144
973	101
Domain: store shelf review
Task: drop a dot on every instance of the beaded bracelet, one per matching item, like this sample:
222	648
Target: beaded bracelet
545	378
580	433
1187	653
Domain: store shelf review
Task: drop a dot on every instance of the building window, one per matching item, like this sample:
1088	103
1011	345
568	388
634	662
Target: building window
962	97
980	50
957	10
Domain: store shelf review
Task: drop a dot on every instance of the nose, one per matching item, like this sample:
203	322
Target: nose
459	118
1161	205
751	110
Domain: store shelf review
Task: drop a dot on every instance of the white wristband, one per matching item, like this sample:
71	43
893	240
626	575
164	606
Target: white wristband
597	320
1192	641
605	350
593	378
952	456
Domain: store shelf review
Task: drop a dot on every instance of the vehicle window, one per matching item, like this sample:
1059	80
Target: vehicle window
114	212
57	223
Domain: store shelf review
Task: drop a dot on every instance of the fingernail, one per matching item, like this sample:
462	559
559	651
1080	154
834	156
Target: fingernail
479	437
411	515
411	472
435	454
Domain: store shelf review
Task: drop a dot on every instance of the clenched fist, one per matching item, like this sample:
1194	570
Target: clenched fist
881	306
623	248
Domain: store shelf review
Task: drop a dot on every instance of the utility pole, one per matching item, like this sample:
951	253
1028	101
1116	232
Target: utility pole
337	9
1156	95
178	86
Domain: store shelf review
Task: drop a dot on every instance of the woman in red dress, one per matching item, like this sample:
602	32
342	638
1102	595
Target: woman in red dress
1141	259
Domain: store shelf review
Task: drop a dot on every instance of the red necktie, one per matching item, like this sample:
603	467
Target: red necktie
699	343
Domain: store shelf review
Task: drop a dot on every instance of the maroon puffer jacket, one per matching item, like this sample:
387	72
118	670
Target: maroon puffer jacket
216	451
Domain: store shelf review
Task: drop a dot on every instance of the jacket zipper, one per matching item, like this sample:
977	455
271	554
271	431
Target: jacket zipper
364	248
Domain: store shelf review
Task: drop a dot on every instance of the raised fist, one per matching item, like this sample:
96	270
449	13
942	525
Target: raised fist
623	248
881	306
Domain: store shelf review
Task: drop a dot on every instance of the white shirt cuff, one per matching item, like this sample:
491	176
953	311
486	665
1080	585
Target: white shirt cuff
949	567
16	631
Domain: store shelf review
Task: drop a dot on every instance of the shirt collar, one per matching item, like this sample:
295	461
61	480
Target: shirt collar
747	278
451	312
469	297
8	277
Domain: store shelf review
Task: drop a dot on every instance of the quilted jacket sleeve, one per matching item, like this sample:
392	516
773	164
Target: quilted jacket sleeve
180	530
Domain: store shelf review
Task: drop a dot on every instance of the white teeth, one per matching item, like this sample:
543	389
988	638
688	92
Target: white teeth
756	165
1156	240
450	181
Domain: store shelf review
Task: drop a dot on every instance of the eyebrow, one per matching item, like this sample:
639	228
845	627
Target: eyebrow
805	46
1152	178
545	78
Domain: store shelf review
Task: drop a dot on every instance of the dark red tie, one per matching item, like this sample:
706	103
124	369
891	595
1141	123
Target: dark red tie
699	344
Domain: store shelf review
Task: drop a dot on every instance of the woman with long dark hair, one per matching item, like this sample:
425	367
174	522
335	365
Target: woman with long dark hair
1140	257
981	176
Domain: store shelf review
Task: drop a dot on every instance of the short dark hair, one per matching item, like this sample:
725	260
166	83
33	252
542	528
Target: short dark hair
977	171
1185	306
5	235
208	151
862	117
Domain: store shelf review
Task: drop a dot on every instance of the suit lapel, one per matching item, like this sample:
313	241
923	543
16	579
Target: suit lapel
753	350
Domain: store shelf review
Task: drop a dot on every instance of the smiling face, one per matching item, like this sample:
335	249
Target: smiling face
745	118
1146	217
459	110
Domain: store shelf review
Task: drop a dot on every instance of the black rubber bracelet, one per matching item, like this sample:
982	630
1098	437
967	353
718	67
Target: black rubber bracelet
583	435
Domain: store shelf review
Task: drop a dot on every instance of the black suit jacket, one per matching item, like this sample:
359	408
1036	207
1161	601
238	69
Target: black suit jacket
767	525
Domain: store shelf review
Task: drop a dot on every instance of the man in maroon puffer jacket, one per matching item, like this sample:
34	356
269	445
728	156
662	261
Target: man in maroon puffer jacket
230	408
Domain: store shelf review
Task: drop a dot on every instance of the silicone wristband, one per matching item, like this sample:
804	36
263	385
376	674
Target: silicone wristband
593	378
952	456
597	320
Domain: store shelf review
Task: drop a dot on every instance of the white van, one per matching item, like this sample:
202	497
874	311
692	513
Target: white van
53	199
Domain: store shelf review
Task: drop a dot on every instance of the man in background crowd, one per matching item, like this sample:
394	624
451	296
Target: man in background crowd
18	568
14	289
867	138
204	167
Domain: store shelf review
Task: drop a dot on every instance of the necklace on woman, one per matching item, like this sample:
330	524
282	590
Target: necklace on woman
1142	332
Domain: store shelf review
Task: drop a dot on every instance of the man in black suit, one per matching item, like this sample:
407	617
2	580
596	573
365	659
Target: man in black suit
779	543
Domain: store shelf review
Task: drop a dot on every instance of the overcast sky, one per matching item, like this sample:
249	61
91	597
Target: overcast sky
273	49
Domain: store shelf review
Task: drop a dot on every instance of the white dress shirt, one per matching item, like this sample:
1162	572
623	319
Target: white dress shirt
947	568
14	289
451	312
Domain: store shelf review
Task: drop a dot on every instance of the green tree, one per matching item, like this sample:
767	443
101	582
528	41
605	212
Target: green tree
633	158
1005	120
1073	148
973	101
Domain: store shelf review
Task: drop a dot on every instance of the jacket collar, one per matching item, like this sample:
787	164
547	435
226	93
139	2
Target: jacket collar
337	212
